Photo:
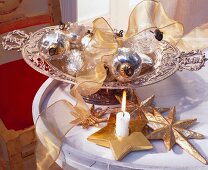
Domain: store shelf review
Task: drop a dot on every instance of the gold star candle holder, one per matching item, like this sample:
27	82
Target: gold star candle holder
120	147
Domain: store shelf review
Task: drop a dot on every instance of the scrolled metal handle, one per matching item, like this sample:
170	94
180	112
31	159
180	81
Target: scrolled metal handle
192	61
15	40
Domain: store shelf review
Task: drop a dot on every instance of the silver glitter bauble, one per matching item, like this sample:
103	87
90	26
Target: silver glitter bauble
74	62
126	65
53	45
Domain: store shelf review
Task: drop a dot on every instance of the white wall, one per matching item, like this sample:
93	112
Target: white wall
132	3
88	9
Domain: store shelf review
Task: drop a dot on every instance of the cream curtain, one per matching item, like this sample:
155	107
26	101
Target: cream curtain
191	13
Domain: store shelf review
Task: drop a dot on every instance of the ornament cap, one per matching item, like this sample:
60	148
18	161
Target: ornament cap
158	35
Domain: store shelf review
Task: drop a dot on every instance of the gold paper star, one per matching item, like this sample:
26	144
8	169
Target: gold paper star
92	119
137	106
174	132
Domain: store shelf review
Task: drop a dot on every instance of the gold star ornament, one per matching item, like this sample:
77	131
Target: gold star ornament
137	106
91	118
174	132
121	146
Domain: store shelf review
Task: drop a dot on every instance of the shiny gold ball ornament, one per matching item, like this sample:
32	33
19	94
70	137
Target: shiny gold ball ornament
126	65
53	45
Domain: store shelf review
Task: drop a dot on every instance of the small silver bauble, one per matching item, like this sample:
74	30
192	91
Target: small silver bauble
147	62
86	40
126	65
53	45
74	61
75	32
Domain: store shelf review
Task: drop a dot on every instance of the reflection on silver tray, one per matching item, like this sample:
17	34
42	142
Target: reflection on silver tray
167	60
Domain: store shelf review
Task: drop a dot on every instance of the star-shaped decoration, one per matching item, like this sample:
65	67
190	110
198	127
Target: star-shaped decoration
91	119
121	146
107	133
134	142
137	106
174	132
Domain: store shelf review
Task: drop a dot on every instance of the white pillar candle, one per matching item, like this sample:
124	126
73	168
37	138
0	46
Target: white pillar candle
122	119
122	124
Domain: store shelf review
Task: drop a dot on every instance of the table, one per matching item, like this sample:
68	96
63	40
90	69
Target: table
188	91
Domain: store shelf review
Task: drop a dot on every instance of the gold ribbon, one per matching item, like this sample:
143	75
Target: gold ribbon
103	43
52	126
51	130
150	14
90	81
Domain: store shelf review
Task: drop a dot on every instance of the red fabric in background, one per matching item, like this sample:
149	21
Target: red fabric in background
18	85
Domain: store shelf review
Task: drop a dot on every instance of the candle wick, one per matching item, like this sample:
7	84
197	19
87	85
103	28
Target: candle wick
123	113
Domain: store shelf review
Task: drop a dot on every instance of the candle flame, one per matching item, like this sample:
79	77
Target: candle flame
123	106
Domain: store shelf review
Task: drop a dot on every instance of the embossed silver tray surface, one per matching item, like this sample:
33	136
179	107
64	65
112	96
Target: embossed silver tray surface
167	60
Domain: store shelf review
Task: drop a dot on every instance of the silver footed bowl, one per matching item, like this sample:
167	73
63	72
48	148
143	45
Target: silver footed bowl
167	59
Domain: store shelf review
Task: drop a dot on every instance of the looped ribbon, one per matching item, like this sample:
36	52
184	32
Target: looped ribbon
52	126
151	14
58	119
102	44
